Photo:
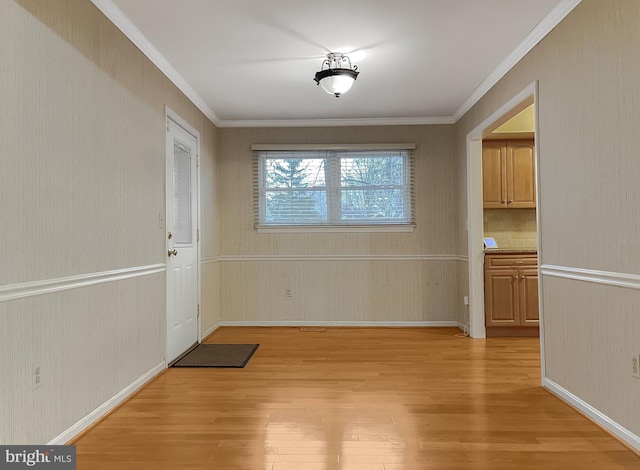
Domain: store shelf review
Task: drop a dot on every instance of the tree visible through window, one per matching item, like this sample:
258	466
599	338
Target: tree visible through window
295	190
334	187
372	188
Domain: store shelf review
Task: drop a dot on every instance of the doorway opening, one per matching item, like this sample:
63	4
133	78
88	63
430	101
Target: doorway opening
475	208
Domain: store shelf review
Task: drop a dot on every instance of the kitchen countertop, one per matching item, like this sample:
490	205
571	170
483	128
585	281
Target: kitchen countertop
511	251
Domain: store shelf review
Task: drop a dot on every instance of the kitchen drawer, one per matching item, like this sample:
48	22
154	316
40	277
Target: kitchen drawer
510	261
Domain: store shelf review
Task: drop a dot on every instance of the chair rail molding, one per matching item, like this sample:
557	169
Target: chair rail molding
29	289
608	278
343	257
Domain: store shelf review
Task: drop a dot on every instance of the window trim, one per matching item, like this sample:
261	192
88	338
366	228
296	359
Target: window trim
399	228
321	147
260	151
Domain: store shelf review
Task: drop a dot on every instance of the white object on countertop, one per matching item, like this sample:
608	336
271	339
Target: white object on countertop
490	243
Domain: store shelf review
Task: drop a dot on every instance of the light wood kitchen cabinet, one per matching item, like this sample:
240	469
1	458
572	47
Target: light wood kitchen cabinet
529	309
511	294
508	174
501	297
494	174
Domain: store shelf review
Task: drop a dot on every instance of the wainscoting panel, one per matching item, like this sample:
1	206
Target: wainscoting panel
592	332
334	290
88	343
209	296
462	267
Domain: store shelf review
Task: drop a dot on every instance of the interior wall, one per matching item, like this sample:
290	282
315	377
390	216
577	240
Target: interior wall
366	277
589	198
82	168
209	229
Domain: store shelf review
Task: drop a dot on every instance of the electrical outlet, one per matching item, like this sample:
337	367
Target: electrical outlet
37	379
635	367
287	293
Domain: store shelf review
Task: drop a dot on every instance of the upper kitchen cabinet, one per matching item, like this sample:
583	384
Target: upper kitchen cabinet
508	174
494	174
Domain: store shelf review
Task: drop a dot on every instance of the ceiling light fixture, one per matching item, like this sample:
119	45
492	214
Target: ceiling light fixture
336	74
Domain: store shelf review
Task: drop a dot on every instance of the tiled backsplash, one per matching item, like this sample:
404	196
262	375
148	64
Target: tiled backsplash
512	228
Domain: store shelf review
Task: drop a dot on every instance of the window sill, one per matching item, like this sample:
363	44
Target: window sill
335	228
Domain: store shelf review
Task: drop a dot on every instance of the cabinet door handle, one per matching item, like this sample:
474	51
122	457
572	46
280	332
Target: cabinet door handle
510	201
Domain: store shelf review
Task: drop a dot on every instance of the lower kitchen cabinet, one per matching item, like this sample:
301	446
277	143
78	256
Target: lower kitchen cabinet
511	294
528	291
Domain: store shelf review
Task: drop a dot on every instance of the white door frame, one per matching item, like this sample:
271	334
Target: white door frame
475	210
172	115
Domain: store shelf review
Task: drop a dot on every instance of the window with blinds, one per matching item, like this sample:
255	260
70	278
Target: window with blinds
333	187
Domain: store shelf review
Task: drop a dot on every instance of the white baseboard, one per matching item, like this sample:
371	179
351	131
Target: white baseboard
369	324
209	330
106	407
603	420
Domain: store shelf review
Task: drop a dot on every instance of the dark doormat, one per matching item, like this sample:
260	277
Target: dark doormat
218	355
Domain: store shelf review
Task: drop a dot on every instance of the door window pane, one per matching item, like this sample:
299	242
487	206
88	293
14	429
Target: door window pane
182	194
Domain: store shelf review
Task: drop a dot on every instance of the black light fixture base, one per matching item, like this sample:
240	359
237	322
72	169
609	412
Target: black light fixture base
334	68
333	72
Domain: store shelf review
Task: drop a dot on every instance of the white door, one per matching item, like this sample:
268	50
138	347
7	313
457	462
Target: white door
182	243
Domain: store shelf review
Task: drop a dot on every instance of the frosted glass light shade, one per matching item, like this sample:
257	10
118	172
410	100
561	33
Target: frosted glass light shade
337	84
336	81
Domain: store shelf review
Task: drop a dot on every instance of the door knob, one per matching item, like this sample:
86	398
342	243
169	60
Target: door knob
172	252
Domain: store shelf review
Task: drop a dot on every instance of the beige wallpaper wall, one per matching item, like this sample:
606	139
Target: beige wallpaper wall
588	69
257	268
82	166
603	334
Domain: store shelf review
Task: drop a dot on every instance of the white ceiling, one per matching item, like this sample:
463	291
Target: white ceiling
252	62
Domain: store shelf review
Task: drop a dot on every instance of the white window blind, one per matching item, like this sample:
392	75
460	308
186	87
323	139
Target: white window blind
333	187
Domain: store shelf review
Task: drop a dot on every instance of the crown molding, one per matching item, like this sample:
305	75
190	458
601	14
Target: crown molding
413	121
536	35
120	20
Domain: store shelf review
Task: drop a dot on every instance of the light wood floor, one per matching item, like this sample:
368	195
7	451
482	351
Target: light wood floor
354	399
